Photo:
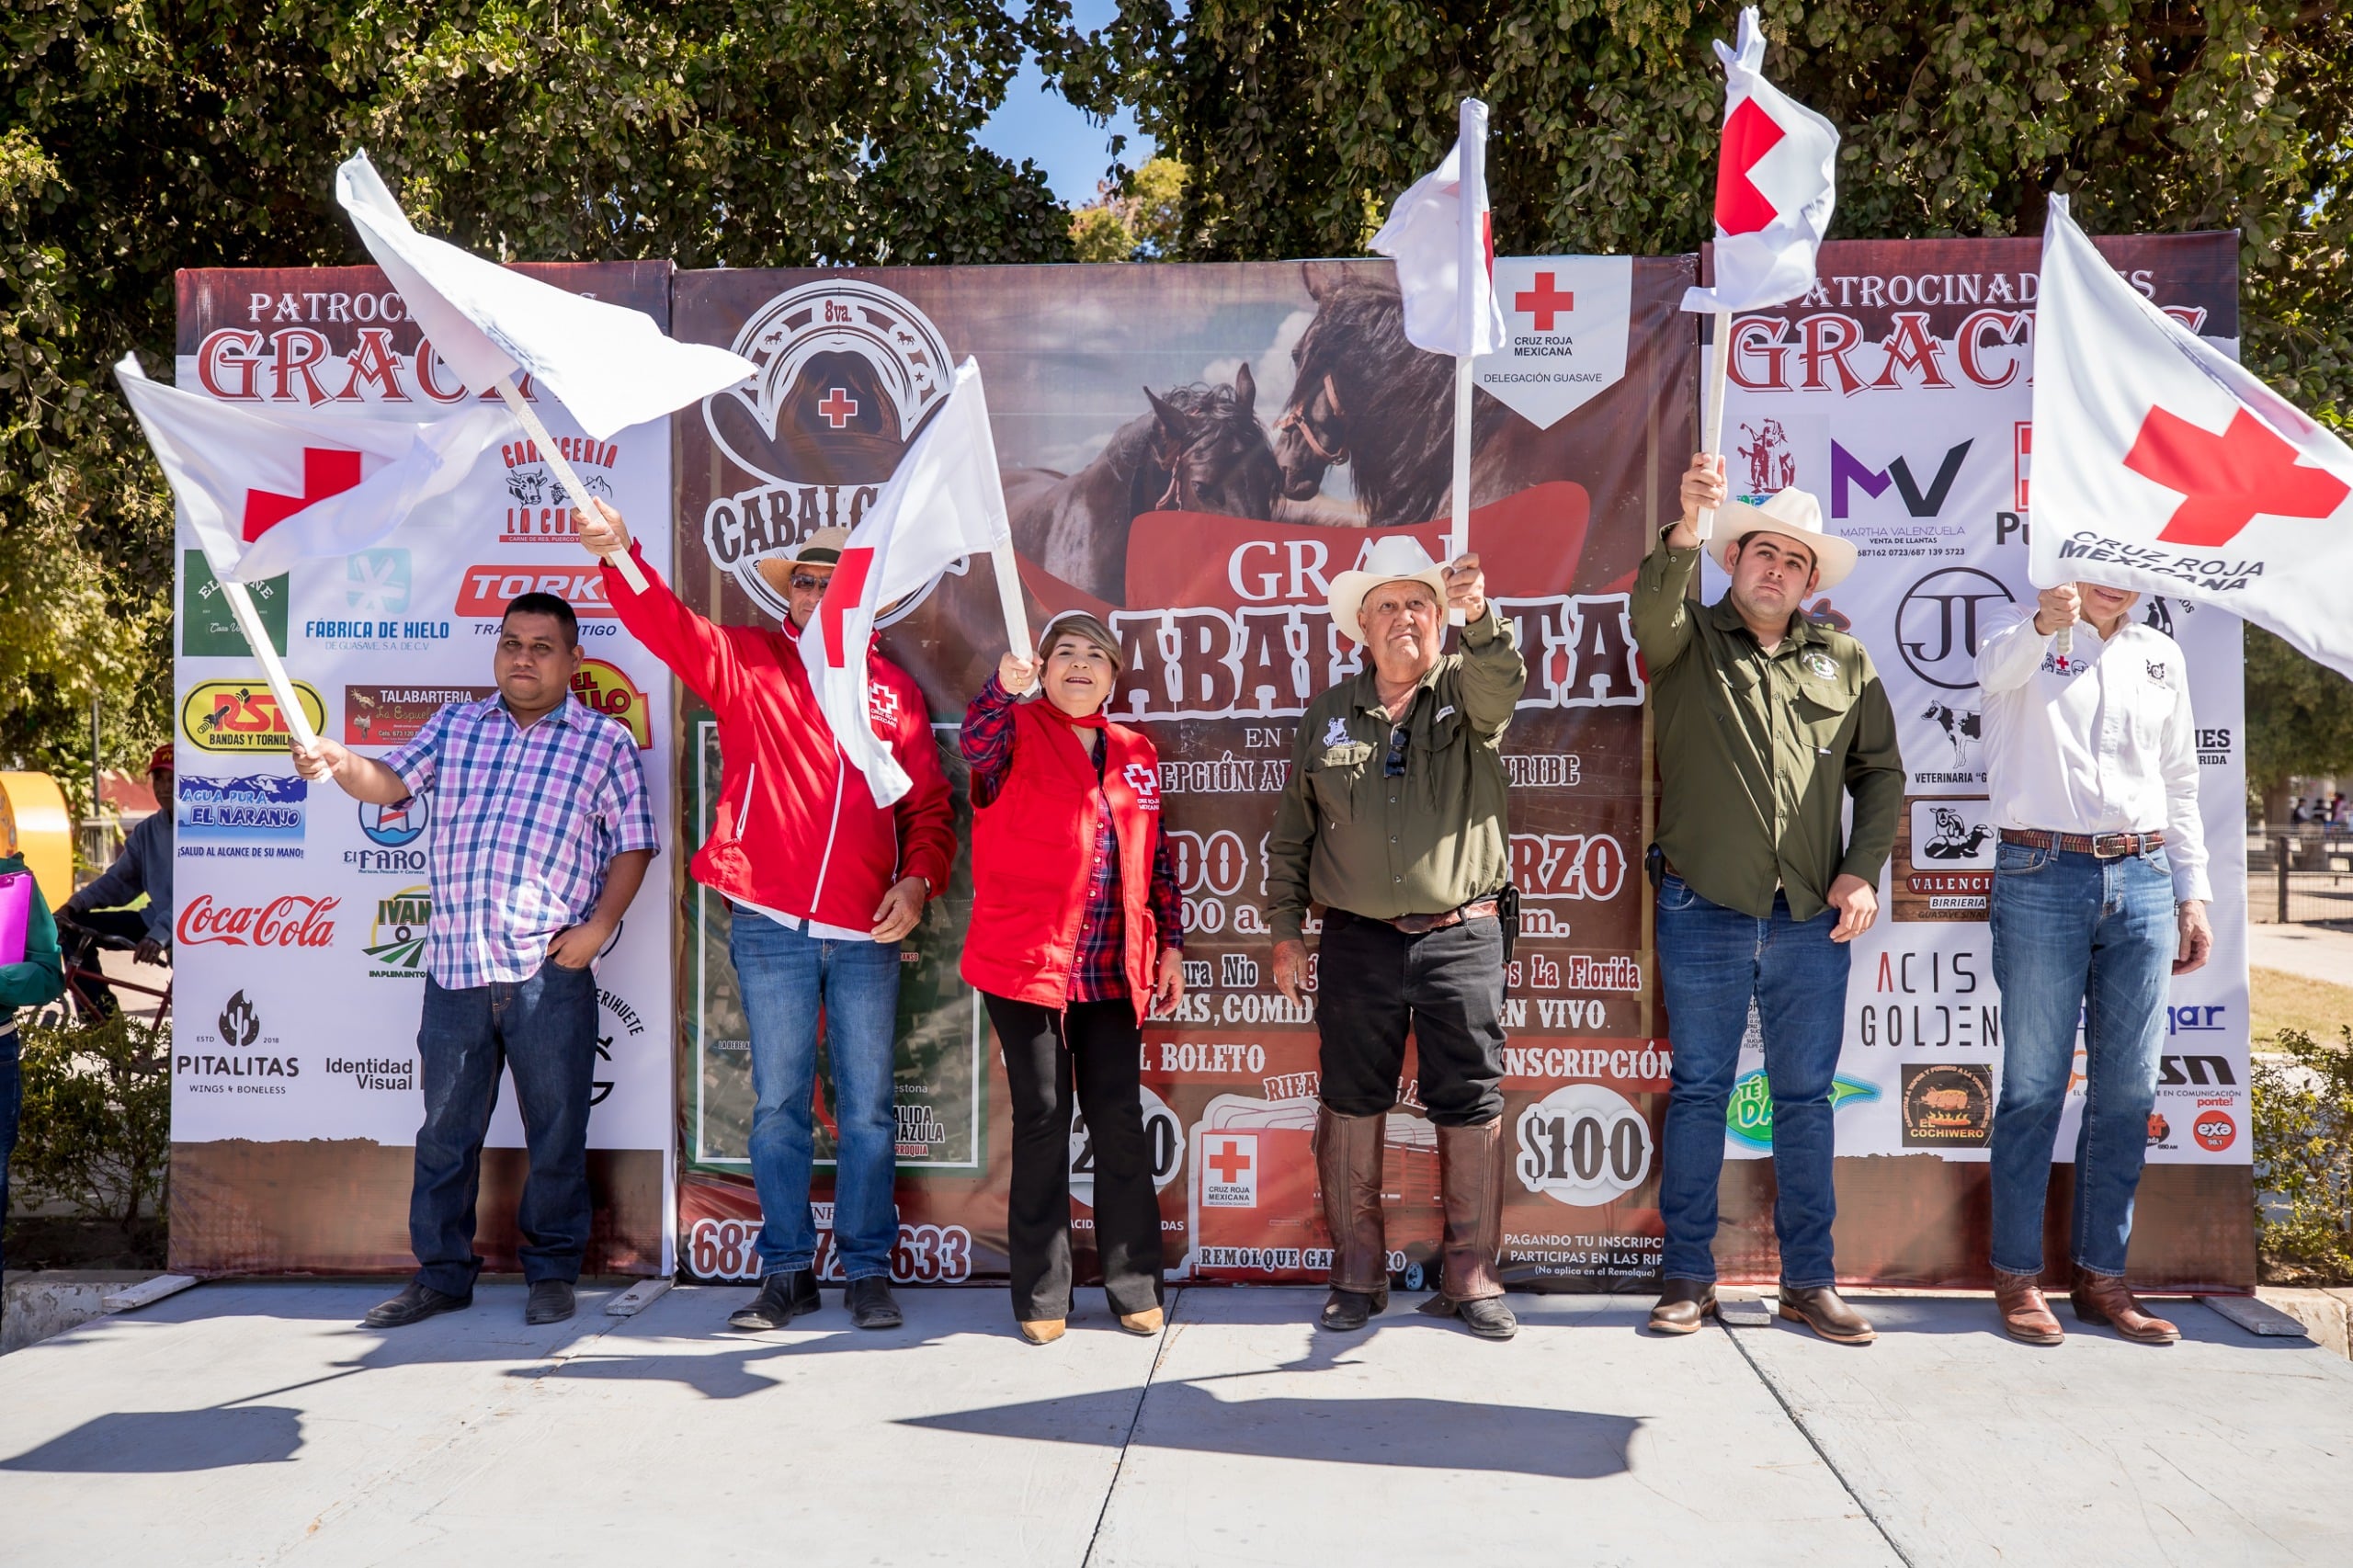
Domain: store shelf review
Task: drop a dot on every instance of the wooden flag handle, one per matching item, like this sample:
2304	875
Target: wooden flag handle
1712	441
1008	595
529	417
1458	538
289	701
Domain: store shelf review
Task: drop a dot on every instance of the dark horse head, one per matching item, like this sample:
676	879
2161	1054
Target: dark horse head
1366	397
1209	444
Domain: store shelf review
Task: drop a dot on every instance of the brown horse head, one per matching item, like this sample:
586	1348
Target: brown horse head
1213	451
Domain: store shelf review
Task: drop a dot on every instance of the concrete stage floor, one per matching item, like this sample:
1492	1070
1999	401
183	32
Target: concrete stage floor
257	1424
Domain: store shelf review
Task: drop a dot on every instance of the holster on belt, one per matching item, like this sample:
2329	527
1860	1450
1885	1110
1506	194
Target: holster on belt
1507	915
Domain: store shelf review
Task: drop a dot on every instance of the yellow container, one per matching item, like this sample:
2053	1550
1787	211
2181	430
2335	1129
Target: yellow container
35	823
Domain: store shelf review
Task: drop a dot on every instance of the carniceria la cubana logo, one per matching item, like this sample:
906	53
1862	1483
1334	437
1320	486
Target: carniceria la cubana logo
848	369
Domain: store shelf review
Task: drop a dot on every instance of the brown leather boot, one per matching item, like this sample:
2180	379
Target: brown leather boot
2025	1315
1823	1310
1470	1175
2103	1298
1348	1164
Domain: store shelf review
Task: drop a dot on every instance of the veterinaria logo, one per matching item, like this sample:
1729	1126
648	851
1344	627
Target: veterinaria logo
847	371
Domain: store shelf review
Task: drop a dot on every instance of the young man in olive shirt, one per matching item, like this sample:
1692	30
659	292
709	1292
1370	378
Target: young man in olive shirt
1763	722
1393	821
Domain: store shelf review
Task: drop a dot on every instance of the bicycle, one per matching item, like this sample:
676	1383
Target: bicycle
90	993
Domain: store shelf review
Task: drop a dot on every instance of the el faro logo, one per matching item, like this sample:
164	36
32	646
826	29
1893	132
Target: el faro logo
604	689
242	716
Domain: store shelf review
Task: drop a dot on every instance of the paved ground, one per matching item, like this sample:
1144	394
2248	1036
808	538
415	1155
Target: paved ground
250	1423
2316	952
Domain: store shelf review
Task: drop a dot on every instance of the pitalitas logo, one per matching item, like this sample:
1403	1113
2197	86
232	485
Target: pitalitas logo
847	371
237	1056
253	816
396	938
240	716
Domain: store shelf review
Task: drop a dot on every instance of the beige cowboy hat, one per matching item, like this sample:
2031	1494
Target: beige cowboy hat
1793	514
1400	558
823	548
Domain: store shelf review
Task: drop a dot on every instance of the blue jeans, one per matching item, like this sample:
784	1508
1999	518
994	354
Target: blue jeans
12	1103
1712	960
787	977
543	1031
2075	938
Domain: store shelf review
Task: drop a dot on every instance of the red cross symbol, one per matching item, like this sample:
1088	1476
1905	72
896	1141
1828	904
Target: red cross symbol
1230	1164
1543	301
842	591
838	407
326	472
1749	134
2226	480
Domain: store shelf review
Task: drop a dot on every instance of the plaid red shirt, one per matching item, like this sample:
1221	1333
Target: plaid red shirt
1099	969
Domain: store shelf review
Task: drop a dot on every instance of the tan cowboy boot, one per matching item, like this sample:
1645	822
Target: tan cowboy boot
1470	1174
2103	1298
2025	1315
1348	1164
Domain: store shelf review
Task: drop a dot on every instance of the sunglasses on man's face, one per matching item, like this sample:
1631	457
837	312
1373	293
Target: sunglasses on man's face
805	583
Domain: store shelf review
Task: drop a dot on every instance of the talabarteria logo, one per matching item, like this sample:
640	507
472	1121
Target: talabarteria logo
242	716
847	371
605	688
396	939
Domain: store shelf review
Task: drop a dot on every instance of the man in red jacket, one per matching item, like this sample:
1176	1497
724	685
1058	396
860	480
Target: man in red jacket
822	883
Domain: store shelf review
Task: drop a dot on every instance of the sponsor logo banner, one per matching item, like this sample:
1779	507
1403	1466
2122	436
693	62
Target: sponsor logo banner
241	717
391	715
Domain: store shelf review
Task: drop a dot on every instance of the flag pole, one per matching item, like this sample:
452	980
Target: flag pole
620	561
1719	379
289	701
1008	596
1458	540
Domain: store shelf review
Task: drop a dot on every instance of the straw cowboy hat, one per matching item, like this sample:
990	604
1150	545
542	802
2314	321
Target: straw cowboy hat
1794	514
1400	558
823	548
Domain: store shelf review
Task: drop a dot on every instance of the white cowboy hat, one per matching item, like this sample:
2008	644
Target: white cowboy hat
1793	513
1397	558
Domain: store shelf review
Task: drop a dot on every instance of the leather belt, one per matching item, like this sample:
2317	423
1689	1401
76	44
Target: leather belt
2104	845
1422	924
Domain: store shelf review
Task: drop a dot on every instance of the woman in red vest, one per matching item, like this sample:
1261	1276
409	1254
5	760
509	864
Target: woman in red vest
1078	934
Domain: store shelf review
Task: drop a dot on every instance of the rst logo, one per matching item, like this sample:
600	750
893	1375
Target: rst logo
242	716
486	591
1849	472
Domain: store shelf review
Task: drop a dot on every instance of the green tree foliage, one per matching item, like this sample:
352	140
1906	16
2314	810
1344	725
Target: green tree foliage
2298	721
1299	121
138	138
2304	1159
97	1128
1136	220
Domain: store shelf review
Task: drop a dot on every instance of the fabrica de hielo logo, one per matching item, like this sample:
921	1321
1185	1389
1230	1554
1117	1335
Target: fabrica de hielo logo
848	371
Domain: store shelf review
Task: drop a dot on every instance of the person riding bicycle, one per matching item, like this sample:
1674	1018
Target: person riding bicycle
145	866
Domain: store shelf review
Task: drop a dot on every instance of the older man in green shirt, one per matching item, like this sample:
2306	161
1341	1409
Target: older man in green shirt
1764	725
1393	822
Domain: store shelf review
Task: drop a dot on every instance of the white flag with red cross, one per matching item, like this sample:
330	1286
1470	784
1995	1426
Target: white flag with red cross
1442	240
2163	466
944	503
262	487
1776	183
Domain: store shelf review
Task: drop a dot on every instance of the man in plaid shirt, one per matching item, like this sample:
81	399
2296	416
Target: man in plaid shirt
541	837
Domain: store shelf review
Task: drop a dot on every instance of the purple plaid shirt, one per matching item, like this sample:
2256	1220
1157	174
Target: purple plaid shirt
525	823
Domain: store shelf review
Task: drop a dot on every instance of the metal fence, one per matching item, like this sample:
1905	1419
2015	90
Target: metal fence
2300	875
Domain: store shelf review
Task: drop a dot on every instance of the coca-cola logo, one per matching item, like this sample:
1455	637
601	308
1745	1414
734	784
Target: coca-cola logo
292	920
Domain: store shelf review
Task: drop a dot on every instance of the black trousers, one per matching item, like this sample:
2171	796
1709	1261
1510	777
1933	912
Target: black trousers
1373	982
1097	1045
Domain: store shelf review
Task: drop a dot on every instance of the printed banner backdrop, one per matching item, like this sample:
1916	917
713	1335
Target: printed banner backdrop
301	919
1898	393
1191	451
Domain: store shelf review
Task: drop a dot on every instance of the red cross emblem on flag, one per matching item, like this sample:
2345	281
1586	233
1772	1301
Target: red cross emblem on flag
1749	134
2225	480
326	472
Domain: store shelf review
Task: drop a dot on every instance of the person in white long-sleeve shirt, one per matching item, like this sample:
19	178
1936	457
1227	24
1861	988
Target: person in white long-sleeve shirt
2099	895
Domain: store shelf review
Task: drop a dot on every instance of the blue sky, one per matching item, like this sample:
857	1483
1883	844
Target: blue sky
1035	122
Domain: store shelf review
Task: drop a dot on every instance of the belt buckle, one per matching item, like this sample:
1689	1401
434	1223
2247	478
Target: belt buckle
2111	845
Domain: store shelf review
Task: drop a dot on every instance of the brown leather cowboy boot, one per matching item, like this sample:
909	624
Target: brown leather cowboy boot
2025	1315
1470	1174
1348	1164
2104	1298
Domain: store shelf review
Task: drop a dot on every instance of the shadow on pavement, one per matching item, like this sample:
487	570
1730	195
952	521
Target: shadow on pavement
157	1442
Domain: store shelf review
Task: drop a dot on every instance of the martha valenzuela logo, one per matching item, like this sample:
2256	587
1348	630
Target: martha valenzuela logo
241	1060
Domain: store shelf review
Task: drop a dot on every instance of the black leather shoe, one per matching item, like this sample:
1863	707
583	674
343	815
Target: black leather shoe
1822	1311
870	1305
551	1301
415	1305
1683	1306
1345	1312
1488	1318
783	1298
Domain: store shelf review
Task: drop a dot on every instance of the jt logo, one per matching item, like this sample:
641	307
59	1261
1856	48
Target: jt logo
1845	469
1936	624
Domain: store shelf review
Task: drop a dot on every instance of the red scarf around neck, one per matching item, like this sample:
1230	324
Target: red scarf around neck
1094	721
